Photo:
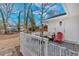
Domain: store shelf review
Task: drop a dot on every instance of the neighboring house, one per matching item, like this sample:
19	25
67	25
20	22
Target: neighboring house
70	23
12	29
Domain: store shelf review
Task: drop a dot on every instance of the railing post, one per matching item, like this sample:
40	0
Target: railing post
40	47
78	54
39	50
46	47
60	50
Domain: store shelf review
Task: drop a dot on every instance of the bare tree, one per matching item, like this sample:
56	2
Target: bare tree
26	16
32	21
4	23
25	19
43	9
6	10
19	21
1	25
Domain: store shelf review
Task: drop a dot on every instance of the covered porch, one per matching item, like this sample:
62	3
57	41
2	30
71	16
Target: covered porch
33	44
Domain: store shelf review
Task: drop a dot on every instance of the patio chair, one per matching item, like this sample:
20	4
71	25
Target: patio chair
58	37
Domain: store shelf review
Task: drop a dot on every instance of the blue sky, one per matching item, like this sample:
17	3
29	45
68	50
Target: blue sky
53	9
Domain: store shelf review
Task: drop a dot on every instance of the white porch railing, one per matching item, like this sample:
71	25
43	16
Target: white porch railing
31	45
56	50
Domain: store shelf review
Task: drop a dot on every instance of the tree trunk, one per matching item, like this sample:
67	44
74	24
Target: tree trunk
4	22
25	18
19	21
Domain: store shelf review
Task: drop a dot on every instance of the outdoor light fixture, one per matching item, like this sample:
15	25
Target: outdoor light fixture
60	23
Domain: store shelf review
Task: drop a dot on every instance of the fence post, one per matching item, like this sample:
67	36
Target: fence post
40	47
60	50
46	47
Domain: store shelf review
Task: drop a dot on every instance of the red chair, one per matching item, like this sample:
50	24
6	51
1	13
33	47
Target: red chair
59	37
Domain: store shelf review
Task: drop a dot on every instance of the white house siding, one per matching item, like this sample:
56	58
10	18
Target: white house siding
70	23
